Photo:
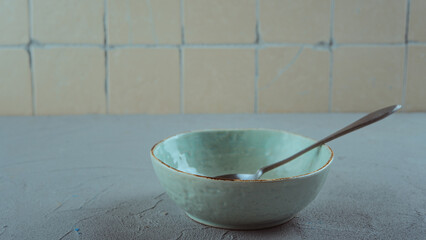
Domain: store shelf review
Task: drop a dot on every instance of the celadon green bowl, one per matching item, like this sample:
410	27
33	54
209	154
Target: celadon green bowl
186	165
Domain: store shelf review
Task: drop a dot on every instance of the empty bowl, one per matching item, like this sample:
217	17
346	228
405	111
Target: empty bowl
186	164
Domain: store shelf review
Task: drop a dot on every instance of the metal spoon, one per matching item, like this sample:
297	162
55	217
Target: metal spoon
362	122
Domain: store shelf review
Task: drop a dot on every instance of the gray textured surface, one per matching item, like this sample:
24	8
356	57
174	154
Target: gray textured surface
93	173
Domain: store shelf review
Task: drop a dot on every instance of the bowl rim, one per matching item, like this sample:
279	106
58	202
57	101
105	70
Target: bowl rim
239	180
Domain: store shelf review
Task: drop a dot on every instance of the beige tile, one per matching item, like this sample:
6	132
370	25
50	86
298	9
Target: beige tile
144	22
367	78
293	79
15	83
220	21
144	81
366	21
219	80
417	29
14	22
69	81
415	99
68	21
303	21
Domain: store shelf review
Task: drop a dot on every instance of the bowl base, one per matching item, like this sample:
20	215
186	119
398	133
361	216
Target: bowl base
238	227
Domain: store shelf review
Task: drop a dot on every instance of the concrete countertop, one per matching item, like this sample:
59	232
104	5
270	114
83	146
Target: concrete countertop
90	177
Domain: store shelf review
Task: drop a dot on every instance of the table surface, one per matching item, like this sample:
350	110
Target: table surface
90	177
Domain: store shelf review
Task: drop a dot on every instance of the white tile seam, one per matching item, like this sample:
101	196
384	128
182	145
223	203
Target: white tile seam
208	46
31	57
405	74
30	19
17	46
151	21
35	44
256	80
256	59
106	49
182	21
181	67
181	89
331	58
413	43
338	45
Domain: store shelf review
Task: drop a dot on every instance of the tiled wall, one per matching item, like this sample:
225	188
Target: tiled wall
204	56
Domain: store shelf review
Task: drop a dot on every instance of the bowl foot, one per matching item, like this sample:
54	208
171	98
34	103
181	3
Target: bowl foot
239	227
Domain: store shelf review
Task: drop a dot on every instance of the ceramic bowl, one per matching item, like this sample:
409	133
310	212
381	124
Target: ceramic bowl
186	165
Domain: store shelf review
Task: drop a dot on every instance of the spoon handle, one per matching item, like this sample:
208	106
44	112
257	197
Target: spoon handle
362	122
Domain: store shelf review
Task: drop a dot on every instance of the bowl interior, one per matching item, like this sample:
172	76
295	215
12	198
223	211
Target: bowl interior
217	152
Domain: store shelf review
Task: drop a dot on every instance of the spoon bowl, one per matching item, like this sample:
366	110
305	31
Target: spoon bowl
269	197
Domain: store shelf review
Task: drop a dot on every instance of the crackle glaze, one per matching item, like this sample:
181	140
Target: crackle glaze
186	163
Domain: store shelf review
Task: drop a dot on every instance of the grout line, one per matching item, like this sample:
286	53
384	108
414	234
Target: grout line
181	103
122	46
181	76
130	25
404	79
256	60
332	7
337	45
17	46
319	46
182	20
30	18
258	35
256	80
30	56
66	45
330	82
237	45
33	87
151	21
259	46
414	43
407	21
106	49
331	63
